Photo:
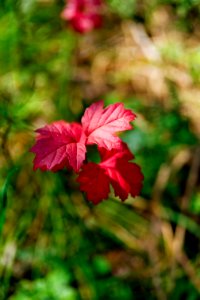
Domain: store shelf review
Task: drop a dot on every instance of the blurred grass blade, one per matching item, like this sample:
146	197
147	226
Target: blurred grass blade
3	198
122	223
182	220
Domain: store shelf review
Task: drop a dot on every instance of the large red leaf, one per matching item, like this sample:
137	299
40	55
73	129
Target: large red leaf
58	145
115	168
101	124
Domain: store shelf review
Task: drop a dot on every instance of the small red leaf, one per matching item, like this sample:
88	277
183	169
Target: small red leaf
94	181
115	168
101	124
59	145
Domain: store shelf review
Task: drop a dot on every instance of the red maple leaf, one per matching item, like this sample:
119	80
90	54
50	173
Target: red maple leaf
101	124
59	145
115	169
83	15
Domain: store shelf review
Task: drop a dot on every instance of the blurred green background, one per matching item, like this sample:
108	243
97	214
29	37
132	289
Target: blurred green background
54	245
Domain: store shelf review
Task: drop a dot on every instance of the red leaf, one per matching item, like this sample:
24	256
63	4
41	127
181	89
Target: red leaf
94	181
59	145
101	124
83	15
115	168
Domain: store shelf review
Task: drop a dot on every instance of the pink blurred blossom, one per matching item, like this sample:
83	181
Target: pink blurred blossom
83	15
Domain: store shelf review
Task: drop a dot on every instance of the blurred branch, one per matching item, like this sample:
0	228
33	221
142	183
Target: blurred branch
153	253
4	146
141	39
179	160
180	231
189	269
192	179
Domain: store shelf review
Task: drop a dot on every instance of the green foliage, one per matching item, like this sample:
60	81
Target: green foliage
124	8
53	243
184	289
54	286
4	198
